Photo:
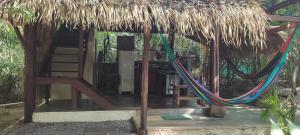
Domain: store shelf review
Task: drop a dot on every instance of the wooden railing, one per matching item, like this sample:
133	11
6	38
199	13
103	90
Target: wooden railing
77	86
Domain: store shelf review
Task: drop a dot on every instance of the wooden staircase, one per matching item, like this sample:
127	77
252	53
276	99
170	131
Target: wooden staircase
64	69
65	59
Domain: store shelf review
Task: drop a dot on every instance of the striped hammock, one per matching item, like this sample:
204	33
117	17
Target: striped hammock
266	70
251	95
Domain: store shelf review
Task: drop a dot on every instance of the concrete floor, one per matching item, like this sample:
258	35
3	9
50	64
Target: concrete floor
240	120
122	102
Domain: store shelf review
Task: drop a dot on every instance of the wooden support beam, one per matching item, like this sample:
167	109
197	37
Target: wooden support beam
282	5
80	87
89	91
54	80
215	111
81	44
172	35
284	18
29	72
282	28
75	98
214	65
81	65
172	40
47	94
145	71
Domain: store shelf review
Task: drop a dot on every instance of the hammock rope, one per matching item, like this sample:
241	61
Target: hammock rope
251	95
263	72
266	70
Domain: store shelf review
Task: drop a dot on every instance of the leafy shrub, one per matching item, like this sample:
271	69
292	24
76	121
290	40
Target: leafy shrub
11	65
276	107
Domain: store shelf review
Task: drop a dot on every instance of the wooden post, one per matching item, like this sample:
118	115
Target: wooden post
215	111
145	71
47	94
75	98
81	36
172	40
29	72
75	94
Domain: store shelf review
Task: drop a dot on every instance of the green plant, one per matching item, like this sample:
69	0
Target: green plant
17	11
276	107
11	65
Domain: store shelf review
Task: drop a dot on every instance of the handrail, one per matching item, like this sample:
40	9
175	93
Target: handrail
79	86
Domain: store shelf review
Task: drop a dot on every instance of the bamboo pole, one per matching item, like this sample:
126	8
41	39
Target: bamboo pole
145	71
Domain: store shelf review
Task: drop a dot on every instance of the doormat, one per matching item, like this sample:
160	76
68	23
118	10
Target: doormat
176	117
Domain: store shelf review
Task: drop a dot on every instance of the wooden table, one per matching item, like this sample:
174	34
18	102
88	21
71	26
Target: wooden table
179	97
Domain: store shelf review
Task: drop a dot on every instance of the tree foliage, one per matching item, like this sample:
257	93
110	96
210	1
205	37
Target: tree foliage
11	64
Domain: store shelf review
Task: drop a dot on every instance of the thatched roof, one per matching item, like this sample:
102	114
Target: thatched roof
274	43
238	20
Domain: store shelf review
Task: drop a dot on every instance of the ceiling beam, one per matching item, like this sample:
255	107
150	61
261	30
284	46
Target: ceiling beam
274	29
278	18
281	5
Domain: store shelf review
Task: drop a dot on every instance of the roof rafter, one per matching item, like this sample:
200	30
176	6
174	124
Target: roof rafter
283	28
284	18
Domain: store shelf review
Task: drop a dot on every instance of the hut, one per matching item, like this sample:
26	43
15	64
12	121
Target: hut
227	23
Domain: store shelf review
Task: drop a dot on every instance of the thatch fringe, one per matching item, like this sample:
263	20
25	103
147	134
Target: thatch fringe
238	20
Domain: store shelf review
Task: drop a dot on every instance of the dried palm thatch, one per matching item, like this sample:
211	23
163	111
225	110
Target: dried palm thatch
237	19
274	43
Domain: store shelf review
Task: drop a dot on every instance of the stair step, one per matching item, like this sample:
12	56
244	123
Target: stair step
75	55
64	74
67	45
66	39
65	58
66	50
62	71
67	34
64	67
66	62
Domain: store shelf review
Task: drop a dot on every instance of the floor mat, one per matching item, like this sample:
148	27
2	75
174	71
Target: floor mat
176	117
